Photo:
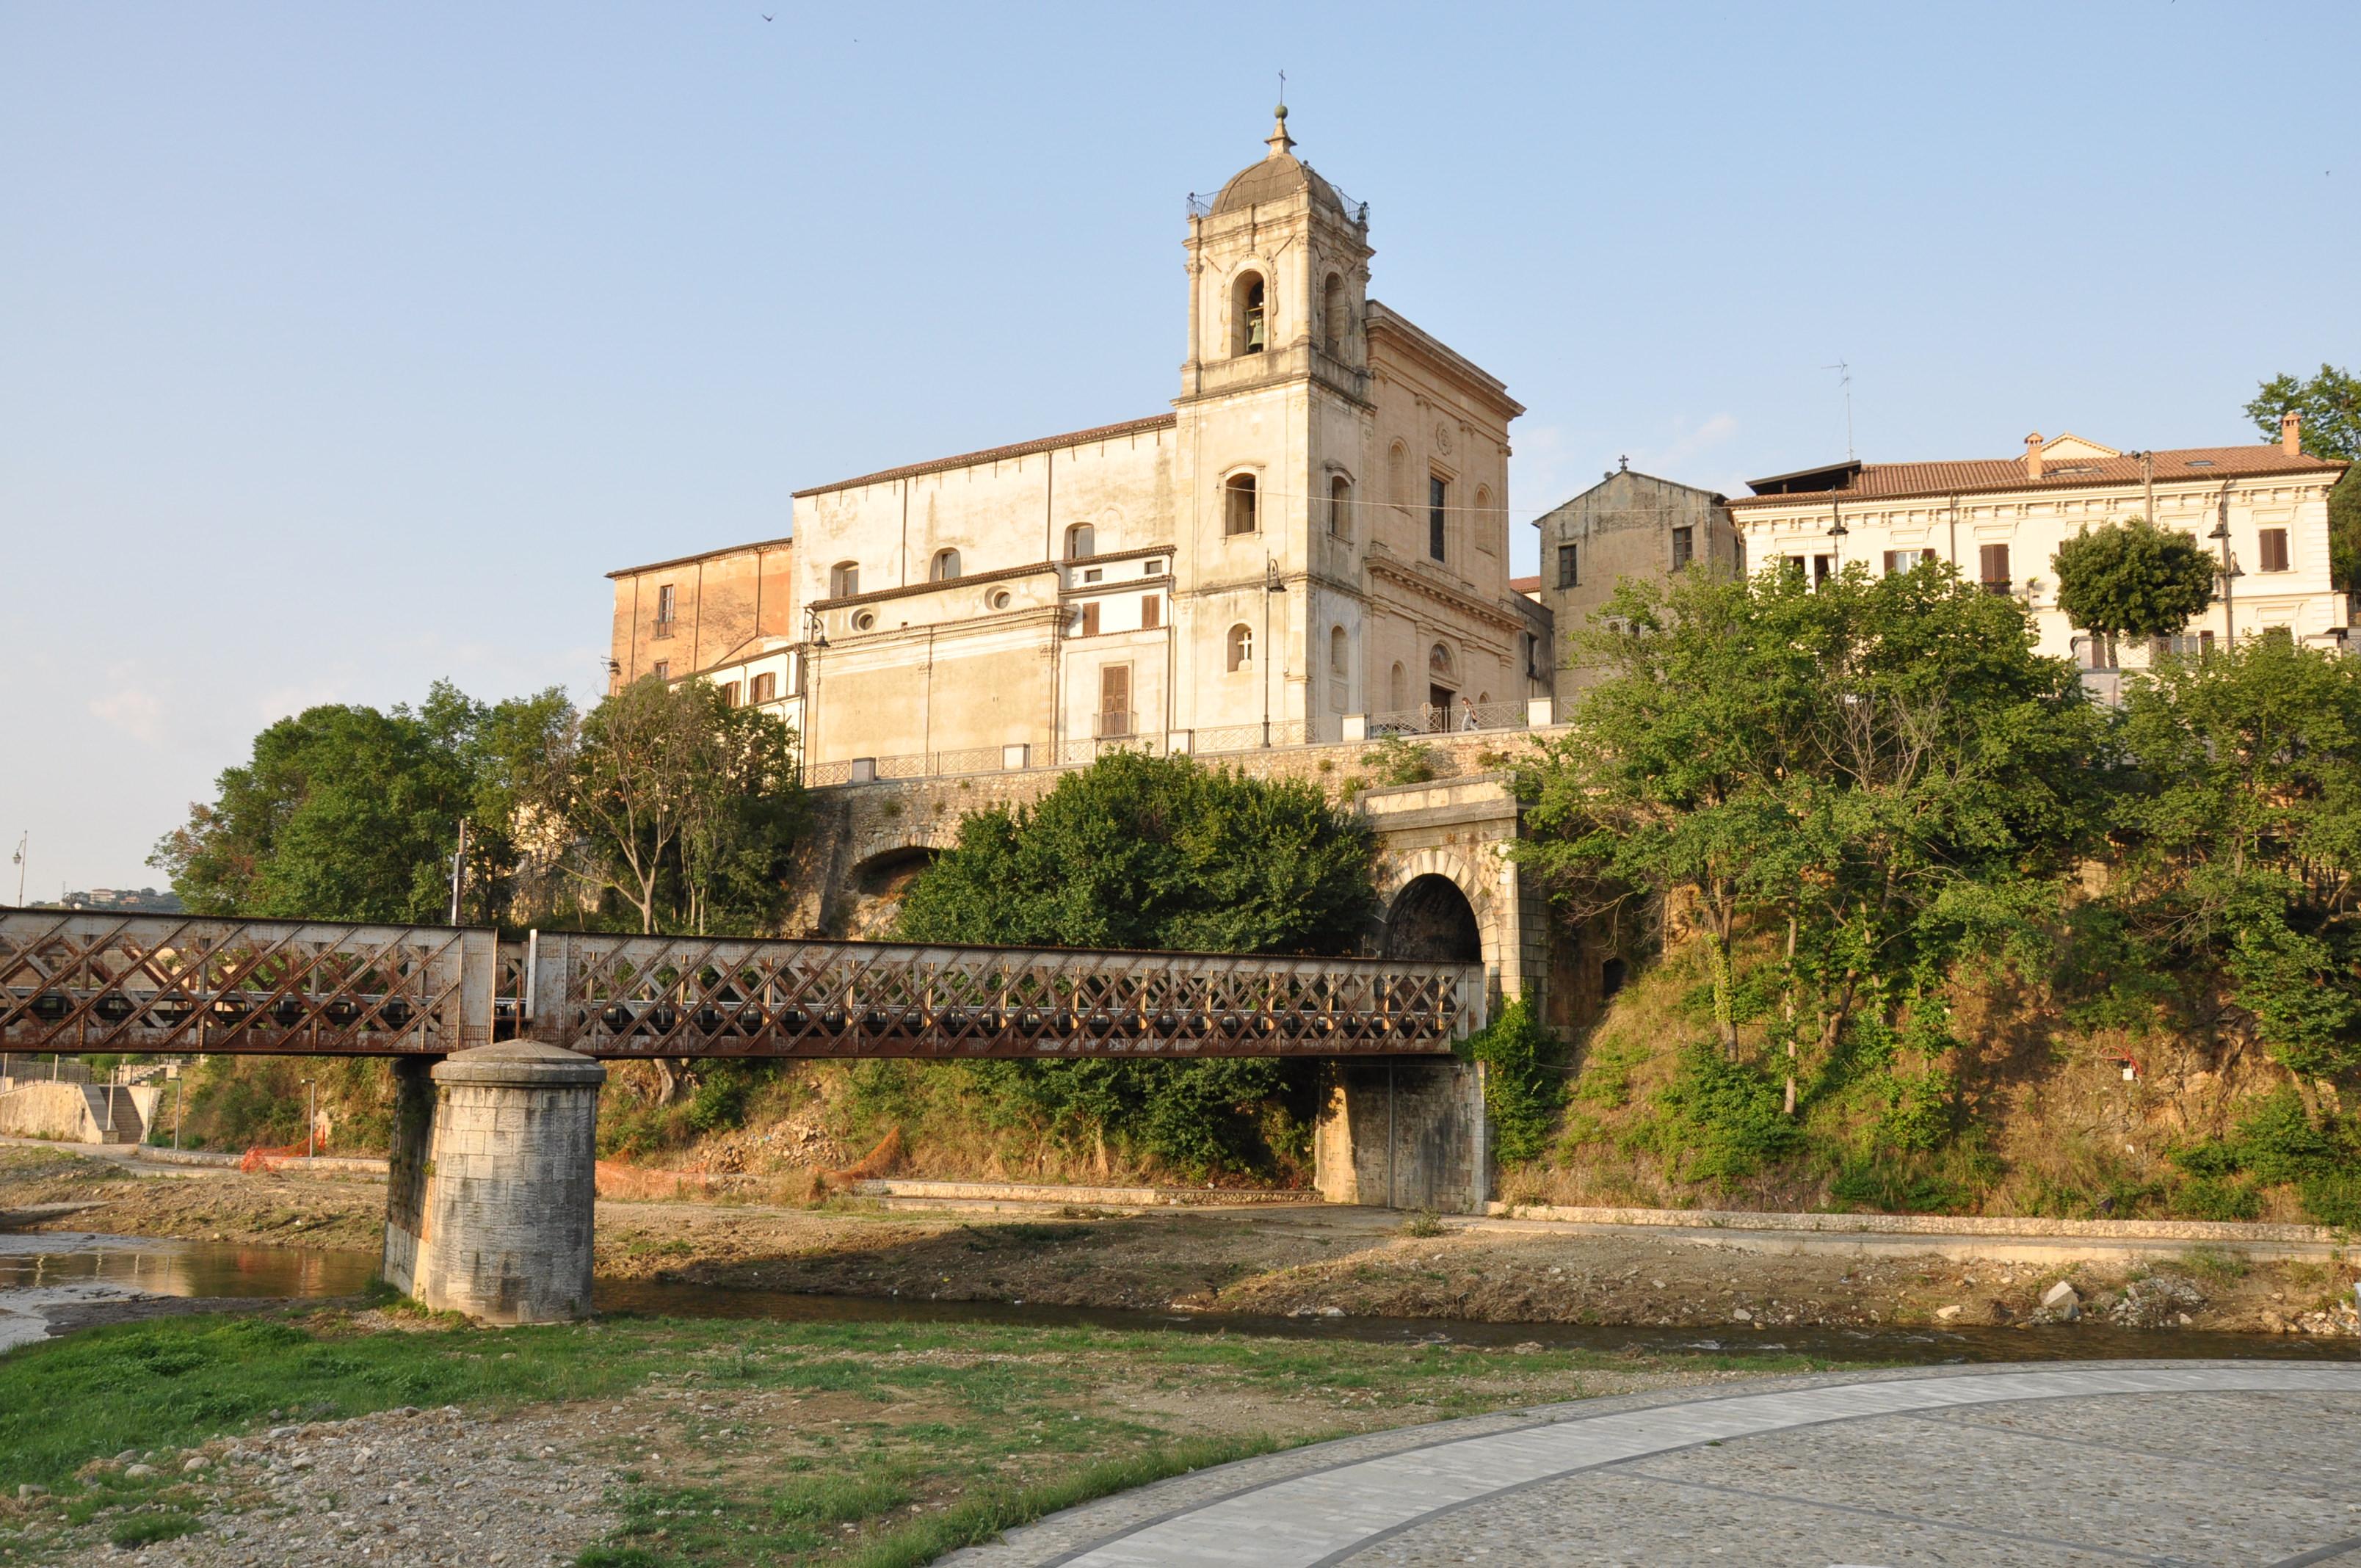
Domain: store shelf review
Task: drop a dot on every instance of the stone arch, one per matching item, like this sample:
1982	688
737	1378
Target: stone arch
1410	887
884	865
1431	919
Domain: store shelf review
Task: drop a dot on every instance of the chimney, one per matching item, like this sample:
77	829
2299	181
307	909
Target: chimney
2291	434
2033	456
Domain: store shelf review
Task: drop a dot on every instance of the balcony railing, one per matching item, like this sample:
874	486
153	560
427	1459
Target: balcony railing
1112	726
1111	733
1437	718
663	631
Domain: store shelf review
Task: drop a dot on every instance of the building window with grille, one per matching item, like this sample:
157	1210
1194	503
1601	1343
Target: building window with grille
1992	562
667	610
1238	504
2275	549
1438	513
1241	646
1569	573
1151	611
1684	547
763	689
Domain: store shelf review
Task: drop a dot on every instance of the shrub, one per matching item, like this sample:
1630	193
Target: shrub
1394	760
1523	1086
1722	1119
2333	1198
2217	1198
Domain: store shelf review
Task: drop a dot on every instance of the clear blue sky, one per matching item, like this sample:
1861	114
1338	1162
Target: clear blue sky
343	348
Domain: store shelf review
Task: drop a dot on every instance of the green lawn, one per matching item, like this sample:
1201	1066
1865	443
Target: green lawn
920	1437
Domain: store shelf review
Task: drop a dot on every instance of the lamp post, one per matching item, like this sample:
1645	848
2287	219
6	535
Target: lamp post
1837	532
311	1117
807	685
2229	571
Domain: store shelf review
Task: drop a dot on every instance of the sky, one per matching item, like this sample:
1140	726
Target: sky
344	348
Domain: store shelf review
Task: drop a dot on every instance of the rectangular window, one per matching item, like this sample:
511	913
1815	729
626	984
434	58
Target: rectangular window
1094	574
1568	573
1151	611
1091	619
1438	511
1792	567
1115	700
664	669
1993	567
1684	547
2274	550
766	688
730	694
1823	568
1899	561
667	606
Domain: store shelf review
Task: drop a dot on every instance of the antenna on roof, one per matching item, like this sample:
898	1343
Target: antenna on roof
1844	380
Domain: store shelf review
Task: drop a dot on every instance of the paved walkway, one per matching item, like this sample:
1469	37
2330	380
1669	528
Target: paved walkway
2232	1462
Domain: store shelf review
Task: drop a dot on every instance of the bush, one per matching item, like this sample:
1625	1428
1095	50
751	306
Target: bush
719	1103
1523	1087
1722	1119
1888	1187
2217	1198
2333	1200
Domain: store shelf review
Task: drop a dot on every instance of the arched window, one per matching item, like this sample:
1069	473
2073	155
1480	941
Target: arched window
1338	647
1335	313
1340	678
1398	688
1438	662
1249	314
1397	475
1241	646
844	579
1483	519
1340	506
946	566
1238	504
1082	542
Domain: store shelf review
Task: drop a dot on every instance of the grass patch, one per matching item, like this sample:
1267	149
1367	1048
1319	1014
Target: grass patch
146	1529
873	1443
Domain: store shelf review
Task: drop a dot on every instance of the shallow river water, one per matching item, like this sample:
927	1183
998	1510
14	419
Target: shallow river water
41	1271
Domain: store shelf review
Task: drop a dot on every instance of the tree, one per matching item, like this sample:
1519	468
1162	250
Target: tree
342	813
2135	580
2330	403
1881	770
1138	852
668	799
2242	838
346	813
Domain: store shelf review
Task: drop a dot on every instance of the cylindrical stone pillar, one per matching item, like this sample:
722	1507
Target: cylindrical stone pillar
510	1185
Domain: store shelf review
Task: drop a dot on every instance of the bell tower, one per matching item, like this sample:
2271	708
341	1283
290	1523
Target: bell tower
1275	425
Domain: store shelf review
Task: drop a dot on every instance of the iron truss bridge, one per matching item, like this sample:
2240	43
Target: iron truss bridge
77	983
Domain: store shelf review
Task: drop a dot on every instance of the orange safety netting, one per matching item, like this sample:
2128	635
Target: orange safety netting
262	1158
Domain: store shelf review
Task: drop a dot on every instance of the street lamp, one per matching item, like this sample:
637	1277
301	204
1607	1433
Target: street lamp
311	1117
2229	571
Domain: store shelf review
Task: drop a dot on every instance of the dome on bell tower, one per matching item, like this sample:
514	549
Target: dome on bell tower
1280	175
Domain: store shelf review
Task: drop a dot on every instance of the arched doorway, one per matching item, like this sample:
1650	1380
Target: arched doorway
872	893
1431	919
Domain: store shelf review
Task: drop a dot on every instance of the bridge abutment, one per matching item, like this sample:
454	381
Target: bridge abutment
1405	1134
491	1183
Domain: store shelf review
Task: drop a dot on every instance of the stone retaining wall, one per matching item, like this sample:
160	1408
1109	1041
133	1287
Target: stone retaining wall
2196	1230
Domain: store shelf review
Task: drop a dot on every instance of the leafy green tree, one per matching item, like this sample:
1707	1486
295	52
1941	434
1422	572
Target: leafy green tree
1882	767
346	813
341	813
2330	403
683	809
1149	852
2134	580
2241	838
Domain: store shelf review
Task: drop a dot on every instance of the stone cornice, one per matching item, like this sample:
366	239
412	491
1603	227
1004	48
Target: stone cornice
1394	571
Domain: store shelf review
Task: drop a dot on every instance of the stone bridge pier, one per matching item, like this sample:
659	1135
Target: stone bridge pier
1413	1134
490	1189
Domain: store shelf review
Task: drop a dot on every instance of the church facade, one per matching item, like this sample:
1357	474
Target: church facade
1312	542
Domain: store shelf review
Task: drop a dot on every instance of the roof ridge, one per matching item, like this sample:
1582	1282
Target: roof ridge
994	454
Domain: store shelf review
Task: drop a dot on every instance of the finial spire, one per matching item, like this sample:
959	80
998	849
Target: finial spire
1278	140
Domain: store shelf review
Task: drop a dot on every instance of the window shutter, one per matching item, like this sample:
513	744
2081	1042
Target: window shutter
1891	557
1091	619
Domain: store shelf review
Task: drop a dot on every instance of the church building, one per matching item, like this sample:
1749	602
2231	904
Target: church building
1311	544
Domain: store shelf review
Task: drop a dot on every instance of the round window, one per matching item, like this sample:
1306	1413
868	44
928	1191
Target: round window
1000	598
867	621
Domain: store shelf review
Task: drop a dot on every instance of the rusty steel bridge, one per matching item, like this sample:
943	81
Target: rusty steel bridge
76	981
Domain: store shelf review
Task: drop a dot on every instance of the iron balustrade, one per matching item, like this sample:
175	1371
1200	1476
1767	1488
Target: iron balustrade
79	983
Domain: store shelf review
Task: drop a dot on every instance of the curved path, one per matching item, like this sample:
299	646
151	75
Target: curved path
2243	1463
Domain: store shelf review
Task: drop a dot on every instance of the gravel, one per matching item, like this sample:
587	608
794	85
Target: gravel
400	1486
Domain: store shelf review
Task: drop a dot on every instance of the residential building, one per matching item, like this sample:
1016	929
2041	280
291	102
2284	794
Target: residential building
728	616
1627	526
2262	509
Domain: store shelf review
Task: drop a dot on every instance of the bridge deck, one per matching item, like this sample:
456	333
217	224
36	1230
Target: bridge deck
77	983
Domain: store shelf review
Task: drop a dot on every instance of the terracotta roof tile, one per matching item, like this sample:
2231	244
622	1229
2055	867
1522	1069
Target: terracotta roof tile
1888	481
1531	585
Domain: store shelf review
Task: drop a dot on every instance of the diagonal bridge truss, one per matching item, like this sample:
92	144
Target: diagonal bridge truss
77	983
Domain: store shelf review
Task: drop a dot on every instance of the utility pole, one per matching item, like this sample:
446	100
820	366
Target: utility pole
459	872
311	1116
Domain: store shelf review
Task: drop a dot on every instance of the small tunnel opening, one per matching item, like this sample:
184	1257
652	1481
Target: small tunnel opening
1431	919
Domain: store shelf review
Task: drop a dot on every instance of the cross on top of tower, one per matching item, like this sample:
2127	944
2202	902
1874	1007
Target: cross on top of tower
1278	140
